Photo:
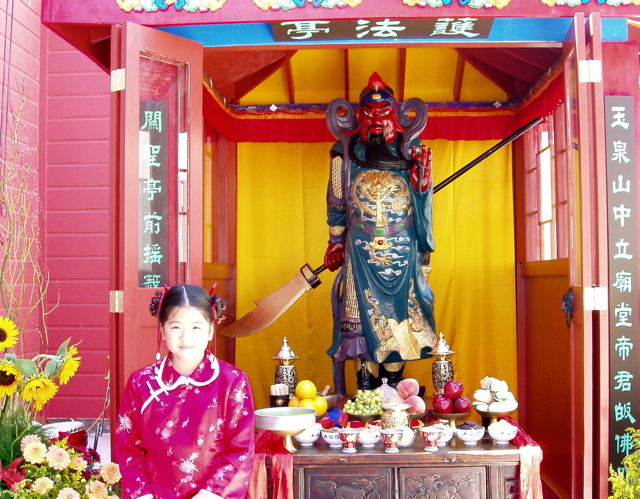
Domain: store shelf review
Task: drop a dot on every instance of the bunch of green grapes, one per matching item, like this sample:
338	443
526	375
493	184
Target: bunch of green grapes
366	403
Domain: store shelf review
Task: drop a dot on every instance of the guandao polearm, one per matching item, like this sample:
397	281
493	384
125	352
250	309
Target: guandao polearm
271	307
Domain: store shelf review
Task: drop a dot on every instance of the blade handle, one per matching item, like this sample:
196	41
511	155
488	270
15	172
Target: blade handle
312	275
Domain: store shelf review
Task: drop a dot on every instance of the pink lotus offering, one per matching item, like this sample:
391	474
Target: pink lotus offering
391	438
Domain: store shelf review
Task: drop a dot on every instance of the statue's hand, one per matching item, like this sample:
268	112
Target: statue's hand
424	158
334	256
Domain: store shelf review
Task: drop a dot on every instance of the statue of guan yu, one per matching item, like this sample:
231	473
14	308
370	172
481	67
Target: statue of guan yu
379	208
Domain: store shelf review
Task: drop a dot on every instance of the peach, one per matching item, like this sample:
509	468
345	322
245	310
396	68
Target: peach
396	399
417	404
408	387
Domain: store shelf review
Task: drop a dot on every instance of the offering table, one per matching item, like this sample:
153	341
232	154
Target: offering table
482	471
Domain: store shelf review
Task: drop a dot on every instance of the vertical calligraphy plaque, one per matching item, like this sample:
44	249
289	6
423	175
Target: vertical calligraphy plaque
153	191
622	224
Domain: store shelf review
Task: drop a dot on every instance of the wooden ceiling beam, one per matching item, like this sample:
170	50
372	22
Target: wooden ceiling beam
346	73
542	58
458	79
504	81
290	84
402	77
244	85
501	61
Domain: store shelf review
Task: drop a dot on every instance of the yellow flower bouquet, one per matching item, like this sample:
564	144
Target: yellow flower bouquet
26	385
59	471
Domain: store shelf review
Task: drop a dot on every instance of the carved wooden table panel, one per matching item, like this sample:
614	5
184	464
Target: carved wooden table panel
445	482
485	471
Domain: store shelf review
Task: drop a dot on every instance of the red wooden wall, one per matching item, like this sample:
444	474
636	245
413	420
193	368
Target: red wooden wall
75	196
19	106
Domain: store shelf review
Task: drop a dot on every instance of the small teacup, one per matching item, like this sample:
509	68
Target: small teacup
349	437
391	438
431	435
369	437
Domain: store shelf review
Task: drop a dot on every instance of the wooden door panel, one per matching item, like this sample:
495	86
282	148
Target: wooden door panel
157	181
548	380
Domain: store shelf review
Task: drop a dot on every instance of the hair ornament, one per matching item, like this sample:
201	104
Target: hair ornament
218	305
156	301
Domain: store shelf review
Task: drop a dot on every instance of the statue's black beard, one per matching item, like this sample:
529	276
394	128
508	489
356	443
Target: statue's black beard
377	155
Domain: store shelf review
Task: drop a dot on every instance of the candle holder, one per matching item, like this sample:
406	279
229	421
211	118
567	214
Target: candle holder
285	370
442	370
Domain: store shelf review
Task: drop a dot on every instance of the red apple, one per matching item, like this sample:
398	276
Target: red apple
408	387
453	389
442	404
461	404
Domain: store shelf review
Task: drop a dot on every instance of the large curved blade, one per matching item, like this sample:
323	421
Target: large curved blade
268	309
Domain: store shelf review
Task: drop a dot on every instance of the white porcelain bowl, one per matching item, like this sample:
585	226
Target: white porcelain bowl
332	437
309	436
447	433
470	436
369	437
502	432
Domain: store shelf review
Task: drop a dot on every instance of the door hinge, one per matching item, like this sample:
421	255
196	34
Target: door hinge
116	302
595	298
590	71
118	77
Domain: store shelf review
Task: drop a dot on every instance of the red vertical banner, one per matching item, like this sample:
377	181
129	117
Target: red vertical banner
623	273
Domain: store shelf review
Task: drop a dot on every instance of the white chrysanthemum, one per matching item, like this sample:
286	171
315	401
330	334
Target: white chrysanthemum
110	473
34	452
42	485
58	458
68	493
27	440
96	490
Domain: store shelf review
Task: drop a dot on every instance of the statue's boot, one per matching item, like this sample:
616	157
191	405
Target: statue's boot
393	372
366	374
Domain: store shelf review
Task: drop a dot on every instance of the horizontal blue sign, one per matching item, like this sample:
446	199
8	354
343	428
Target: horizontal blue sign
365	31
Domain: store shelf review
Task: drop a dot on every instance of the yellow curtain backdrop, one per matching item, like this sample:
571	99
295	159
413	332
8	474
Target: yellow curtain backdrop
282	226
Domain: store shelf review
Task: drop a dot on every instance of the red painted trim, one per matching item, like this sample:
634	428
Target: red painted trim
233	11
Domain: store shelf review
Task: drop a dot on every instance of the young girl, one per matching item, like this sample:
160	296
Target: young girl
186	423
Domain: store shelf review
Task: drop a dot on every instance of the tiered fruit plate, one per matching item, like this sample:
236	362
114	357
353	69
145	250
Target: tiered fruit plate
493	416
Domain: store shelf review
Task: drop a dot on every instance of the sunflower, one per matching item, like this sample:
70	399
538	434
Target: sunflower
10	378
8	333
39	390
69	366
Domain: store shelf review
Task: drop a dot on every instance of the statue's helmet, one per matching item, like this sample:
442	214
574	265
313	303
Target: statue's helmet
377	90
378	113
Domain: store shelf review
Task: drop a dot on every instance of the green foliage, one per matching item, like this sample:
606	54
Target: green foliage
625	484
16	423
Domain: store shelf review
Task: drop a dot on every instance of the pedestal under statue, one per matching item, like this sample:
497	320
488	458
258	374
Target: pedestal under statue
379	207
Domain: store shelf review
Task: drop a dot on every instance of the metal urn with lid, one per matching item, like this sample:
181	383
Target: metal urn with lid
395	415
285	370
442	370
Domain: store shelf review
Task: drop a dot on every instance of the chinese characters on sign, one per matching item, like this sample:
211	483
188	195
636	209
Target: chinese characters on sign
623	274
442	28
153	194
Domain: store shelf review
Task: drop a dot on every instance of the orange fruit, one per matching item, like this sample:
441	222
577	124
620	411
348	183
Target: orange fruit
294	402
320	404
305	389
307	404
